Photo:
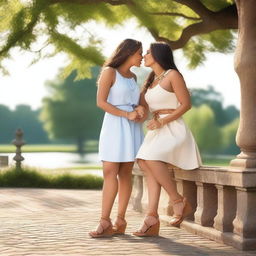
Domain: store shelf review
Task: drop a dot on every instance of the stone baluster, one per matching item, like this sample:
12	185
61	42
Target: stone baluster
188	190
226	208
206	204
245	220
138	186
18	142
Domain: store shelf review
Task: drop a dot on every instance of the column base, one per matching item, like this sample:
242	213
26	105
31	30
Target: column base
244	161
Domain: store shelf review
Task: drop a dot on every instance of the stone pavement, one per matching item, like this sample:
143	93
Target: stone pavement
57	221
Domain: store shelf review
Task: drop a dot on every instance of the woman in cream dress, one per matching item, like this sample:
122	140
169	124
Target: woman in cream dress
168	140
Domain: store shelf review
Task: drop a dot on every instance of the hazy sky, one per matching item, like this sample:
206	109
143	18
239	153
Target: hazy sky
25	85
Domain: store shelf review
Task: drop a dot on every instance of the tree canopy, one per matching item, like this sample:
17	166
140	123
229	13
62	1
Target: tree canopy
47	27
214	100
202	123
70	112
22	117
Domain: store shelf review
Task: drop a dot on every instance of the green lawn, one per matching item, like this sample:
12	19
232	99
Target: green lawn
46	148
85	167
216	161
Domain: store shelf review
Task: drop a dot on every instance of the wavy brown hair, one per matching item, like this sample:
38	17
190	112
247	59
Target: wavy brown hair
124	50
162	54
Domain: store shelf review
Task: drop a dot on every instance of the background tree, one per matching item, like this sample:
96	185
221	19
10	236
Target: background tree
21	117
70	111
229	136
195	26
201	121
6	122
213	125
214	99
27	119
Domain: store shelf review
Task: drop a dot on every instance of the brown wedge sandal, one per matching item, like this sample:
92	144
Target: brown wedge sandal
178	218
152	230
104	232
119	229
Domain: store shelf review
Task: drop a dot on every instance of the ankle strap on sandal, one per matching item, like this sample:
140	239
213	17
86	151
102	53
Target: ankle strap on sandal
153	215
180	200
106	219
120	217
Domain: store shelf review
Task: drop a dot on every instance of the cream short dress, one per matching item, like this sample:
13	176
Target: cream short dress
173	143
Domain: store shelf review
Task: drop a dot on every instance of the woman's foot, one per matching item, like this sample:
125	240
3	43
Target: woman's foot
120	225
182	209
150	227
104	229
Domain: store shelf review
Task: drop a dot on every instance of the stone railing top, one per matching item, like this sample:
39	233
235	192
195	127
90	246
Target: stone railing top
226	176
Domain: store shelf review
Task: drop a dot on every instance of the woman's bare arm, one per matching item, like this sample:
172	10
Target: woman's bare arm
143	103
106	80
177	84
179	87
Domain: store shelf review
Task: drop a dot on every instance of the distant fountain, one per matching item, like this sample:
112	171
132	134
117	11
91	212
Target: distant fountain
18	142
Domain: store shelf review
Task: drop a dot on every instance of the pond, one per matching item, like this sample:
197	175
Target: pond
53	160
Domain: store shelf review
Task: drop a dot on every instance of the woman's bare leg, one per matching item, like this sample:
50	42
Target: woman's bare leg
154	191
110	187
124	187
161	173
109	191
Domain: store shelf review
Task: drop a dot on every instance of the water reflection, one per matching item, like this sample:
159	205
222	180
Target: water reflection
56	160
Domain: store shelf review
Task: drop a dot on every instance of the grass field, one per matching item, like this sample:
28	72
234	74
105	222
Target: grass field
217	161
46	148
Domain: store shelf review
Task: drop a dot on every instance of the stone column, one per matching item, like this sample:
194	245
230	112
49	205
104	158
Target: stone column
226	208
206	204
138	186
245	221
188	190
245	66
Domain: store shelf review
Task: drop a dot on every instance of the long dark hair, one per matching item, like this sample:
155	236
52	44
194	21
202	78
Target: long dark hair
124	50
162	54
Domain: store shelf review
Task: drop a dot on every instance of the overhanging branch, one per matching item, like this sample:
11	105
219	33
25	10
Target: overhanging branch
226	18
176	14
196	6
112	2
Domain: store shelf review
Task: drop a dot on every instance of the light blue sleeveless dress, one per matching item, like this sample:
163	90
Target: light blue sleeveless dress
120	138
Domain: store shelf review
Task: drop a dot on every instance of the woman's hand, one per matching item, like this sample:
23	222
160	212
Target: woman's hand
155	124
140	110
132	115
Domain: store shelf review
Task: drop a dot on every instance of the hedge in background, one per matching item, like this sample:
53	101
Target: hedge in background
31	178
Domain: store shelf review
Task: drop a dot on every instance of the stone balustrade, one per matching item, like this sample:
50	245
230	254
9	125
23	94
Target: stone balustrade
223	201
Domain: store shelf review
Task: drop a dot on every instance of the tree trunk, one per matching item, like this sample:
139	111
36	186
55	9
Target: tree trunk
245	66
80	145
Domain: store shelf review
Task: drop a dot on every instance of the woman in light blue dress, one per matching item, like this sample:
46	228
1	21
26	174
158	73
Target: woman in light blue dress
121	134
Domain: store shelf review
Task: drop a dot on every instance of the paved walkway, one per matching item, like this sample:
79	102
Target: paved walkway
56	222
